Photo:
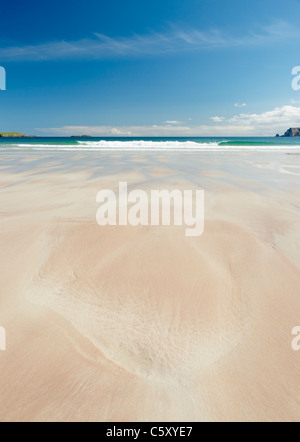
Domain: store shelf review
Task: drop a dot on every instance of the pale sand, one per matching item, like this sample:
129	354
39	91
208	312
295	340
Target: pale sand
145	324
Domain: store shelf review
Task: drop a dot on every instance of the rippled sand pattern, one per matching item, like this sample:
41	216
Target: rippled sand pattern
143	323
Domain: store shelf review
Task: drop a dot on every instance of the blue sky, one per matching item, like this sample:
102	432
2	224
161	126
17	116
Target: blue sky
165	67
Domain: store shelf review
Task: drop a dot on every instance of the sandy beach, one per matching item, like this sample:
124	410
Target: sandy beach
143	323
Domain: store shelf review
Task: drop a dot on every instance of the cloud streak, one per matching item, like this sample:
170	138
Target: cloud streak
173	41
172	122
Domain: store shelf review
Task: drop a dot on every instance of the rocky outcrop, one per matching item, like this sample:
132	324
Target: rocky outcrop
15	135
292	132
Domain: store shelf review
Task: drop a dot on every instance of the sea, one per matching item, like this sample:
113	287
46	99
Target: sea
212	144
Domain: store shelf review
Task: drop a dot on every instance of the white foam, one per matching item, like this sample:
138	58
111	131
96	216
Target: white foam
144	146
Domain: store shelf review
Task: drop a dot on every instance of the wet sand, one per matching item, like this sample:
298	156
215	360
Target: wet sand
144	323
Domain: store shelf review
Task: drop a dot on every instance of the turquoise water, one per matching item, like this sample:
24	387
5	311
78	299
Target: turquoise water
146	144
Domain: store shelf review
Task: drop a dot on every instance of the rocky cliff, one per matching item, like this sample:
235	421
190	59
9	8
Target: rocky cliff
293	132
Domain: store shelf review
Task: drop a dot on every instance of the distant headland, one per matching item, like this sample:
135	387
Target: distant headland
292	132
14	135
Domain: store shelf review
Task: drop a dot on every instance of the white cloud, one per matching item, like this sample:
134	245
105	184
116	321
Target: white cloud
119	133
240	105
218	119
172	122
174	40
280	115
267	123
107	131
148	131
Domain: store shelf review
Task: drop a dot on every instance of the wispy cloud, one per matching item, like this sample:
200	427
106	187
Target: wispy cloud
267	123
174	40
172	122
240	105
